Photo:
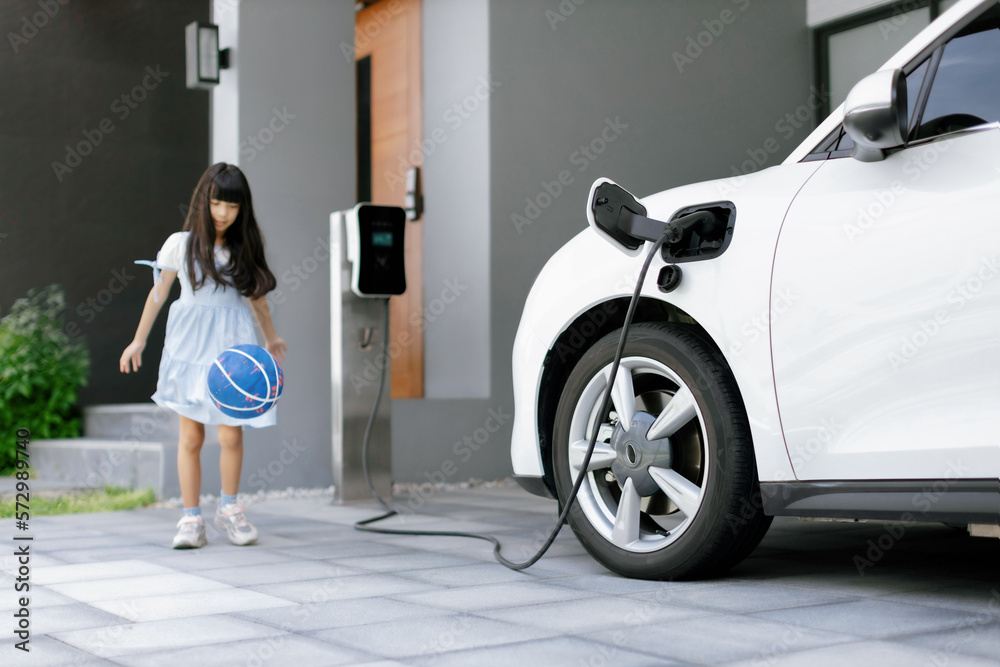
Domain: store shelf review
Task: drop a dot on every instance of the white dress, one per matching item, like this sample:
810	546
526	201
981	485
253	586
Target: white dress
200	325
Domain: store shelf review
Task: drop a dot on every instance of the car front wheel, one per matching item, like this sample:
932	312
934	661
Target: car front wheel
671	489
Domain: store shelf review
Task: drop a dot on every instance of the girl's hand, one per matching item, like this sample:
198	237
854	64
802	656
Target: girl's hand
132	356
277	347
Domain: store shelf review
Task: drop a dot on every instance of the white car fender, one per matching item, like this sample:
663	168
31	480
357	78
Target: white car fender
730	297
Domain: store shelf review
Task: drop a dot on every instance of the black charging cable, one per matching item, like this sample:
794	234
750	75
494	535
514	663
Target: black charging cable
365	524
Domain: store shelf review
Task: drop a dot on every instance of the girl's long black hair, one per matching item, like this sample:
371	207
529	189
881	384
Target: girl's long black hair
247	269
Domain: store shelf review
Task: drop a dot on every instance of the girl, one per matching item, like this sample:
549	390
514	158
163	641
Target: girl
219	256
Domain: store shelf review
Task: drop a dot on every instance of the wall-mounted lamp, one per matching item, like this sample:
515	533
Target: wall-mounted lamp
204	59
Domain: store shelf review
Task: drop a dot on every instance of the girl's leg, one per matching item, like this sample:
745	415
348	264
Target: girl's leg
189	460
230	516
191	528
231	458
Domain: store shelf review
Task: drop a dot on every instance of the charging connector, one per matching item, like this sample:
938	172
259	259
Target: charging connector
365	525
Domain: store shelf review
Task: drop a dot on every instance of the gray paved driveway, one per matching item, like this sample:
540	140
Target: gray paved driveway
107	589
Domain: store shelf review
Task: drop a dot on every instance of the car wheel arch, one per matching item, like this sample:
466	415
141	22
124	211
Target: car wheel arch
574	341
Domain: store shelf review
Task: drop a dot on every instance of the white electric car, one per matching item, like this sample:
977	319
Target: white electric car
824	341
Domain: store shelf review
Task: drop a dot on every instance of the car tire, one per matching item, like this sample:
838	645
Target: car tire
674	494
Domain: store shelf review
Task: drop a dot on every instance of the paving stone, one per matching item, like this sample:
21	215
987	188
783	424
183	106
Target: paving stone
341	588
342	550
980	639
179	605
135	587
719	638
283	649
405	562
587	615
429	637
496	596
340	613
173	634
47	652
326	594
271	573
557	651
739	596
468	575
60	574
871	619
60	618
612	584
860	654
220	554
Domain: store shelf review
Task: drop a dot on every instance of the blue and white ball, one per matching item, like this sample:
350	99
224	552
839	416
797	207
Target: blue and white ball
245	381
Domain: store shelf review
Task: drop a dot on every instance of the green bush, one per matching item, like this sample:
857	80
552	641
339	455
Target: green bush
41	369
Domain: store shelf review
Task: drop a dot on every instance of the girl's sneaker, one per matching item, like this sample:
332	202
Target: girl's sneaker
190	533
231	519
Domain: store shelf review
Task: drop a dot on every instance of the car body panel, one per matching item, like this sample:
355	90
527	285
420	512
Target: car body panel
886	364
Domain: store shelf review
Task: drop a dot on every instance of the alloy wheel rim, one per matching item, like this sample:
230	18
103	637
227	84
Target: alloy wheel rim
665	475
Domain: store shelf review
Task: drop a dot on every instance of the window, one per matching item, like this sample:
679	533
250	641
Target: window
848	50
956	88
965	84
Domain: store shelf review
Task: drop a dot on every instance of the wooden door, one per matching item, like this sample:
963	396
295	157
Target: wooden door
387	52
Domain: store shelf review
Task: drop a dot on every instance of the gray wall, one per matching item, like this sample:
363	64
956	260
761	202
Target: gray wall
292	75
567	72
134	160
456	117
428	434
687	120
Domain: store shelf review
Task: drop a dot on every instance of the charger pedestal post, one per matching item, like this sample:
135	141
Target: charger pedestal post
356	340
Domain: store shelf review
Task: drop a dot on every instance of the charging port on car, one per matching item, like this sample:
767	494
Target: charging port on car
707	238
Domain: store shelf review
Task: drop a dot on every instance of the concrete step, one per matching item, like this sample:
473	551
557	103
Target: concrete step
135	422
131	464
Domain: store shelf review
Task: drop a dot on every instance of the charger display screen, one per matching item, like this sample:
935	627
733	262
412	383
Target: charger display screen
380	269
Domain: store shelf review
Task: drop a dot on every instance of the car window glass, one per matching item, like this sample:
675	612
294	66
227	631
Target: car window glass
966	88
914	81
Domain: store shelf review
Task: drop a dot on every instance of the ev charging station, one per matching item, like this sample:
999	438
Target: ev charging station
366	247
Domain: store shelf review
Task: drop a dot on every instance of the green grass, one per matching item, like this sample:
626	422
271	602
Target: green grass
108	499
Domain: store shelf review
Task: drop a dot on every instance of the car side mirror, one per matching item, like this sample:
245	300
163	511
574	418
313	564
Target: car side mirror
875	114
